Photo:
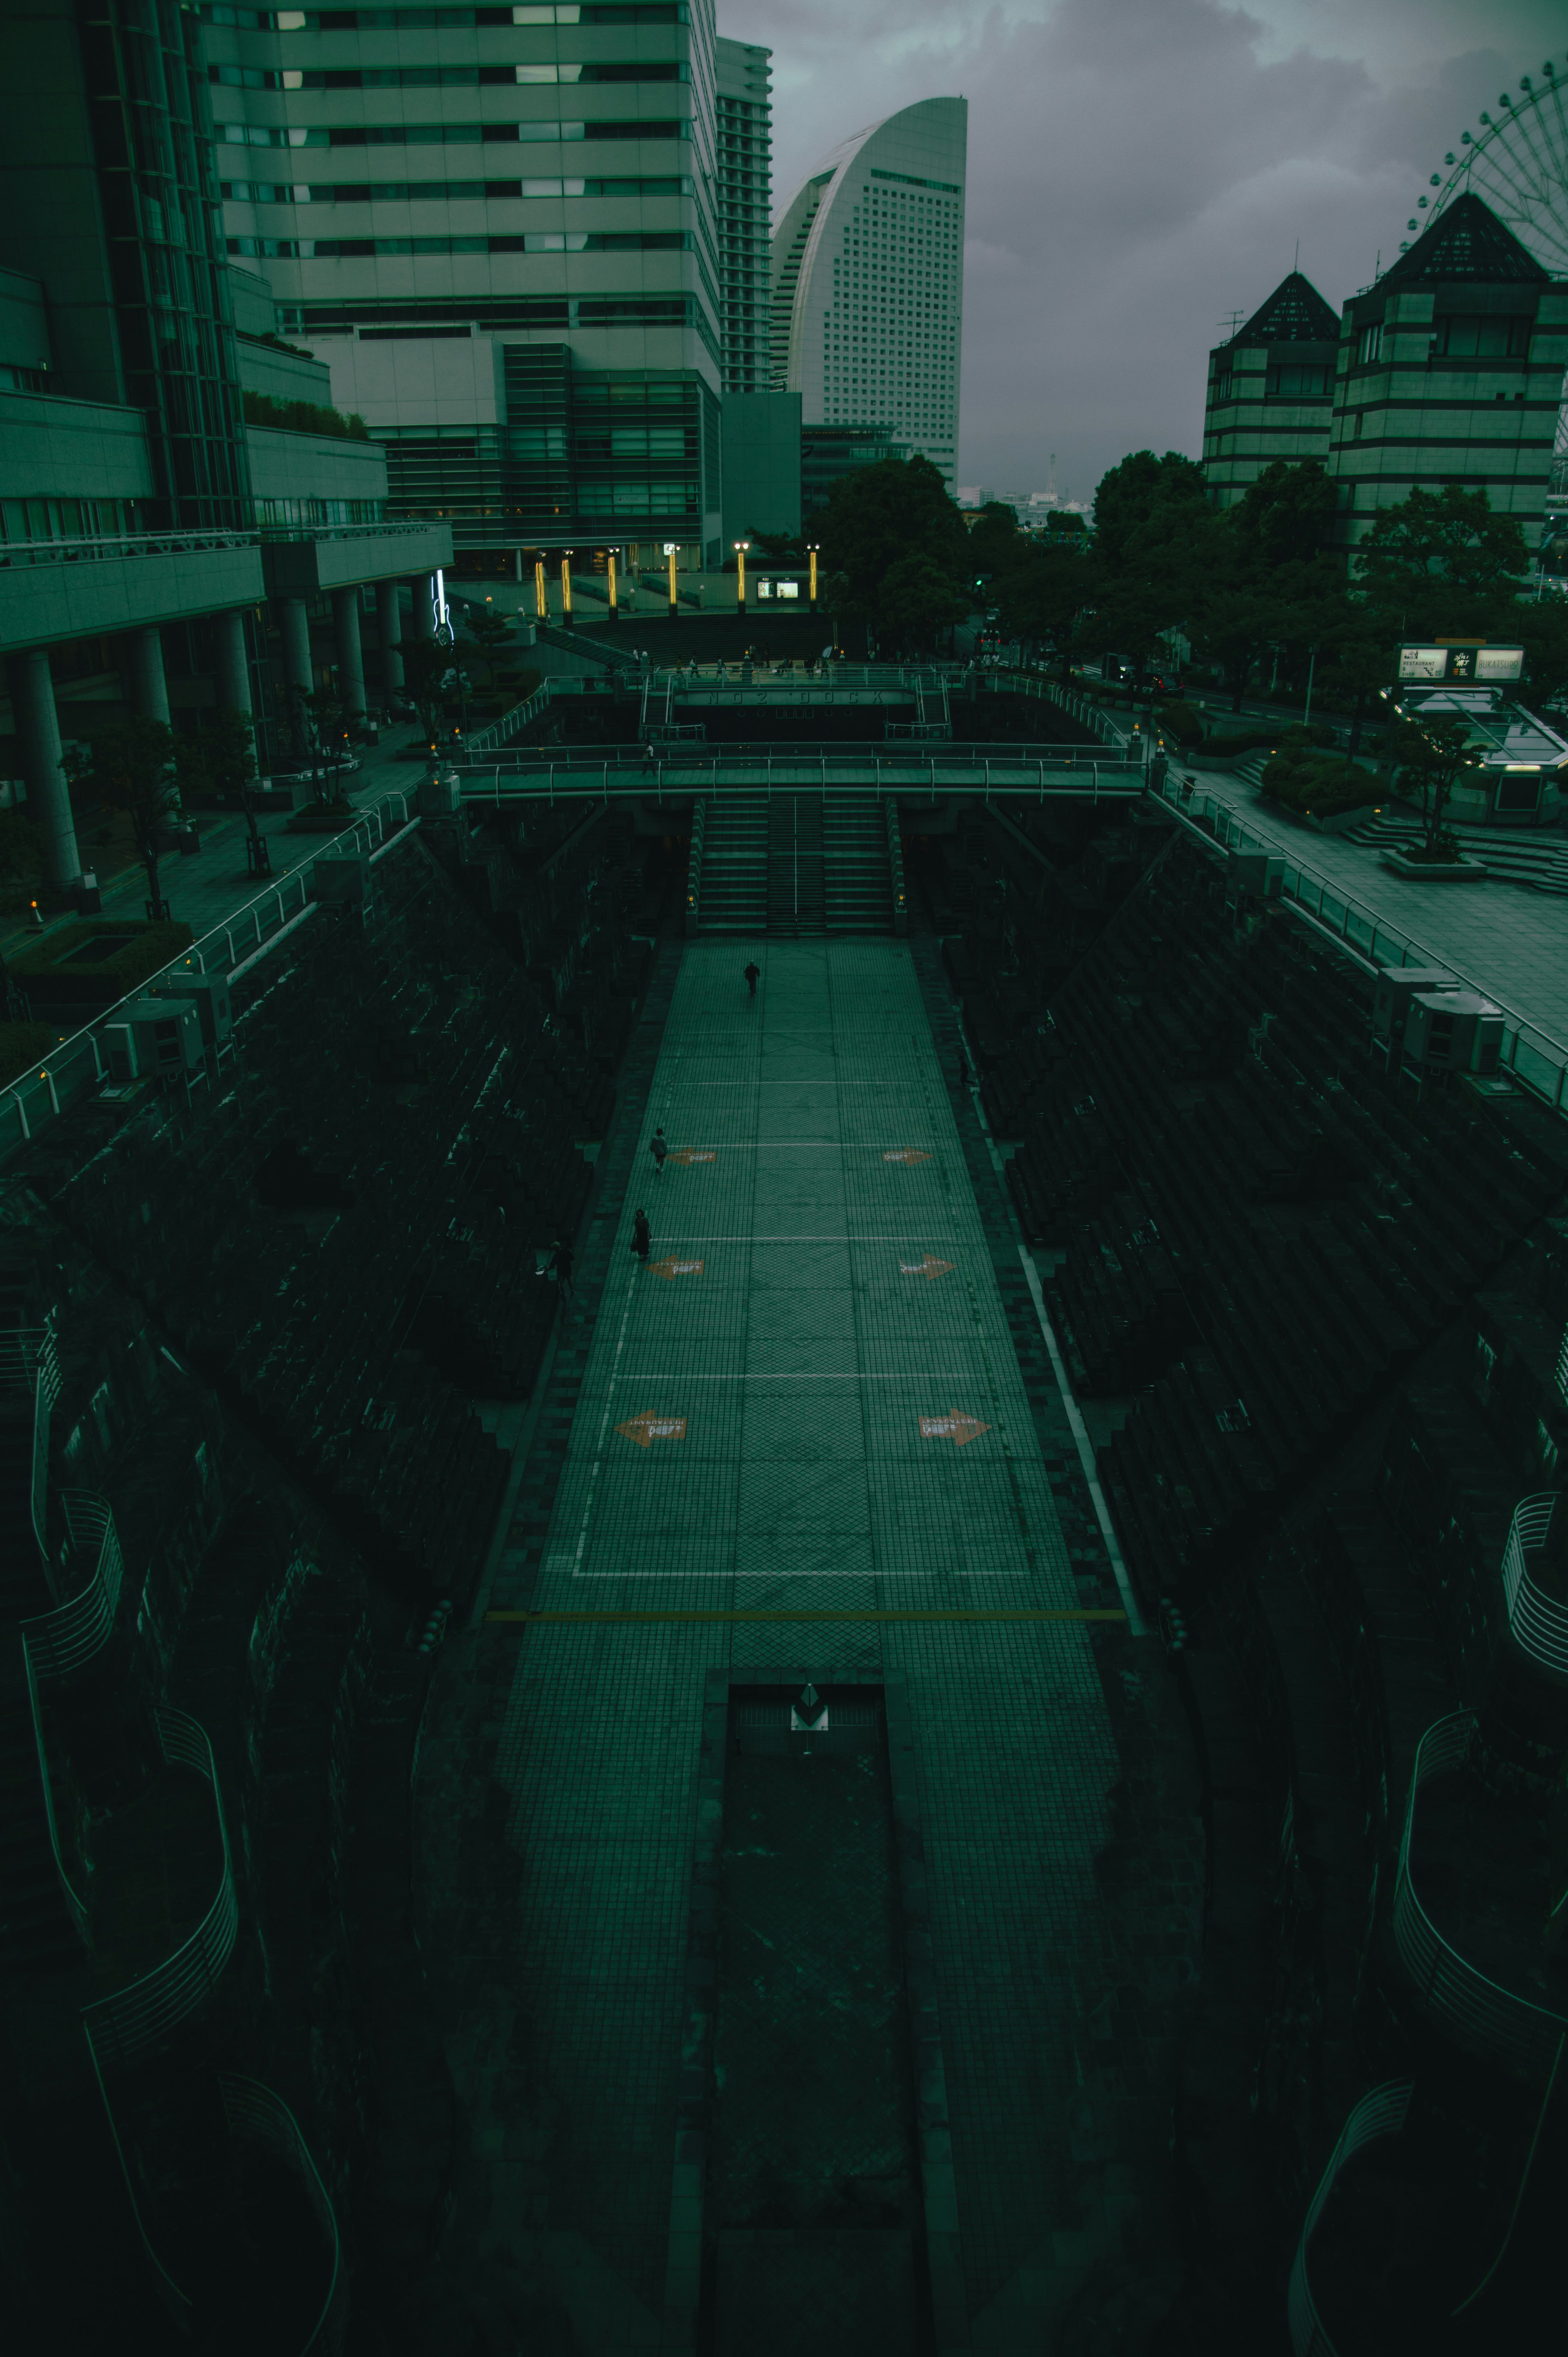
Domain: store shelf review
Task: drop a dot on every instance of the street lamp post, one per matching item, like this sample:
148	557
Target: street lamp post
541	598
615	612
811	552
671	550
567	589
740	548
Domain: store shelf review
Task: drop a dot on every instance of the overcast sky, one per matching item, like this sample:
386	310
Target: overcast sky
1139	169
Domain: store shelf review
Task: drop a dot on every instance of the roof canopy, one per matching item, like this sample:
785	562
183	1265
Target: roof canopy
1466	243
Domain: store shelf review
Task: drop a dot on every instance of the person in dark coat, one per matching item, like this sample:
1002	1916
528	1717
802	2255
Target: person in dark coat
658	1146
753	976
563	1266
640	1237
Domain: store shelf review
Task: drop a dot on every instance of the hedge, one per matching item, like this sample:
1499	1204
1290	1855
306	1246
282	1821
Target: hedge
1318	784
43	973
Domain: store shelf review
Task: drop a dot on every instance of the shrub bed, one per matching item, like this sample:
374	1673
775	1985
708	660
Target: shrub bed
68	970
1317	784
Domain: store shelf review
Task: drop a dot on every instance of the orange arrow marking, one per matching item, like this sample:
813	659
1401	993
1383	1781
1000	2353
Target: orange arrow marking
647	1429
906	1154
927	1267
686	1155
670	1269
956	1428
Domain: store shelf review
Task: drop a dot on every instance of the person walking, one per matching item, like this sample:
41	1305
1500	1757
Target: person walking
640	1237
753	976
658	1146
563	1266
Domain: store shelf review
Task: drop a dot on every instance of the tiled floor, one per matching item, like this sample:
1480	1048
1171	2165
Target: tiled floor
810	1400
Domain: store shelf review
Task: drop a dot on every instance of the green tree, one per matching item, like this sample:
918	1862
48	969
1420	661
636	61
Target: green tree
1432	755
876	517
132	767
1441	564
994	541
1153	546
327	721
488	632
1287	516
1042	591
918	599
426	668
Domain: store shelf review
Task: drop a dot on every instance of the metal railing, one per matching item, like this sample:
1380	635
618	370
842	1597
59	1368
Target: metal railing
62	1642
1464	2001
1064	773
896	868
1530	1053
122	2028
695	865
75	1067
1379	2114
93	547
30	1361
1538	1623
253	2110
75	1905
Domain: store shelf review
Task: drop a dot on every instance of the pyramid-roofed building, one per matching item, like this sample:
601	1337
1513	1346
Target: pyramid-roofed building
1271	389
1451	369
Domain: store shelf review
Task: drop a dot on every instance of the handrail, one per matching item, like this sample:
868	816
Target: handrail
122	2028
1463	2000
60	1642
176	542
74	1903
895	867
694	865
1379	2114
1538	1623
29	1358
1544	1069
68	1073
255	2110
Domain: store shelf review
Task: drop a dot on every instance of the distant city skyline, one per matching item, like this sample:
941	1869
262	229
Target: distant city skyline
1140	170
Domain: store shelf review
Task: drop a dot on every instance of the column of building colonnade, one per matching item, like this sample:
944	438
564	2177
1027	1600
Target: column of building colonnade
38	720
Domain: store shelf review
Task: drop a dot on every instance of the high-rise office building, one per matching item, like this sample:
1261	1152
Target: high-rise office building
744	194
867	307
1270	390
497	227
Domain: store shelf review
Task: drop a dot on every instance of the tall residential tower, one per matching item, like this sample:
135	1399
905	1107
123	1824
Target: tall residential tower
869	282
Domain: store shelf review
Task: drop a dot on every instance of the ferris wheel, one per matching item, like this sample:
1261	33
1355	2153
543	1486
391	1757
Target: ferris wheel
1518	164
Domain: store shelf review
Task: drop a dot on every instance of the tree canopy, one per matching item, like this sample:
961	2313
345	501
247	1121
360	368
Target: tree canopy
884	516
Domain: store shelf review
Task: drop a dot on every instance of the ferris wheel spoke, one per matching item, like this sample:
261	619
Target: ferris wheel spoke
1518	166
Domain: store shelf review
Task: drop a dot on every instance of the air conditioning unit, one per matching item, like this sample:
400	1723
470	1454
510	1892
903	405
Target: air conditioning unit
1392	992
209	994
1453	1031
164	1038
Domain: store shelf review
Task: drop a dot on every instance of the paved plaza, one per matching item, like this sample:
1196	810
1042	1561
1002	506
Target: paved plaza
808	1401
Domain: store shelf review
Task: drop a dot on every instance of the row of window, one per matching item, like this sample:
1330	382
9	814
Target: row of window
438	134
344	249
451	192
272	513
67	519
441	20
433	77
1459	336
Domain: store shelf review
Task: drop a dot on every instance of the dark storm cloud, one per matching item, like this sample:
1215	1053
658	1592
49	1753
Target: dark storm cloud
1139	169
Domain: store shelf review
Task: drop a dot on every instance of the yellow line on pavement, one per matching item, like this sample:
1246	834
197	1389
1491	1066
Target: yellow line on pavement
957	1613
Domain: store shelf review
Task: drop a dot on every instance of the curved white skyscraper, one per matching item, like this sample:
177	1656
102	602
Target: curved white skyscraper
868	281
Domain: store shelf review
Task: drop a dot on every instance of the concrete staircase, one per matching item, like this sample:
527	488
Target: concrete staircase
857	878
796	890
1514	855
736	865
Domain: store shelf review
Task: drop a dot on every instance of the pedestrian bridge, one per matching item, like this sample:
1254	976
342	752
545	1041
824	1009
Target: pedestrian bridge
801	840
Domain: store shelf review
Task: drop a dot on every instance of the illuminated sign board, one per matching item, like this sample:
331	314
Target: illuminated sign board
1488	664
